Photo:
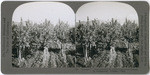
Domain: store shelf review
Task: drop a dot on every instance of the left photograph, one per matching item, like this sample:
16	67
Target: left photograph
43	35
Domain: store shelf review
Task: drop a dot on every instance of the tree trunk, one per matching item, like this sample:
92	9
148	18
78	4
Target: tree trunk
63	55
90	51
20	55
86	55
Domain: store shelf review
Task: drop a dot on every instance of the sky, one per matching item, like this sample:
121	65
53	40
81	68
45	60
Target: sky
105	11
37	12
54	11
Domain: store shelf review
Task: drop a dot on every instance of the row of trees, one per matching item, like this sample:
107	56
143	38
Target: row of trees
28	37
89	38
103	35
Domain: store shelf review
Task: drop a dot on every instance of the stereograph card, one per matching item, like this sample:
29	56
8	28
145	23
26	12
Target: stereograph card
74	37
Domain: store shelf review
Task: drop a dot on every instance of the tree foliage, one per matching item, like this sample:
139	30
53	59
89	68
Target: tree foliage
92	39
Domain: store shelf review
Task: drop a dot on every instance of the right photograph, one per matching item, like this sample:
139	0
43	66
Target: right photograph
107	35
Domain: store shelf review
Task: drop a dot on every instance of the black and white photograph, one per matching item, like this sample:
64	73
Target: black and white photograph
53	35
